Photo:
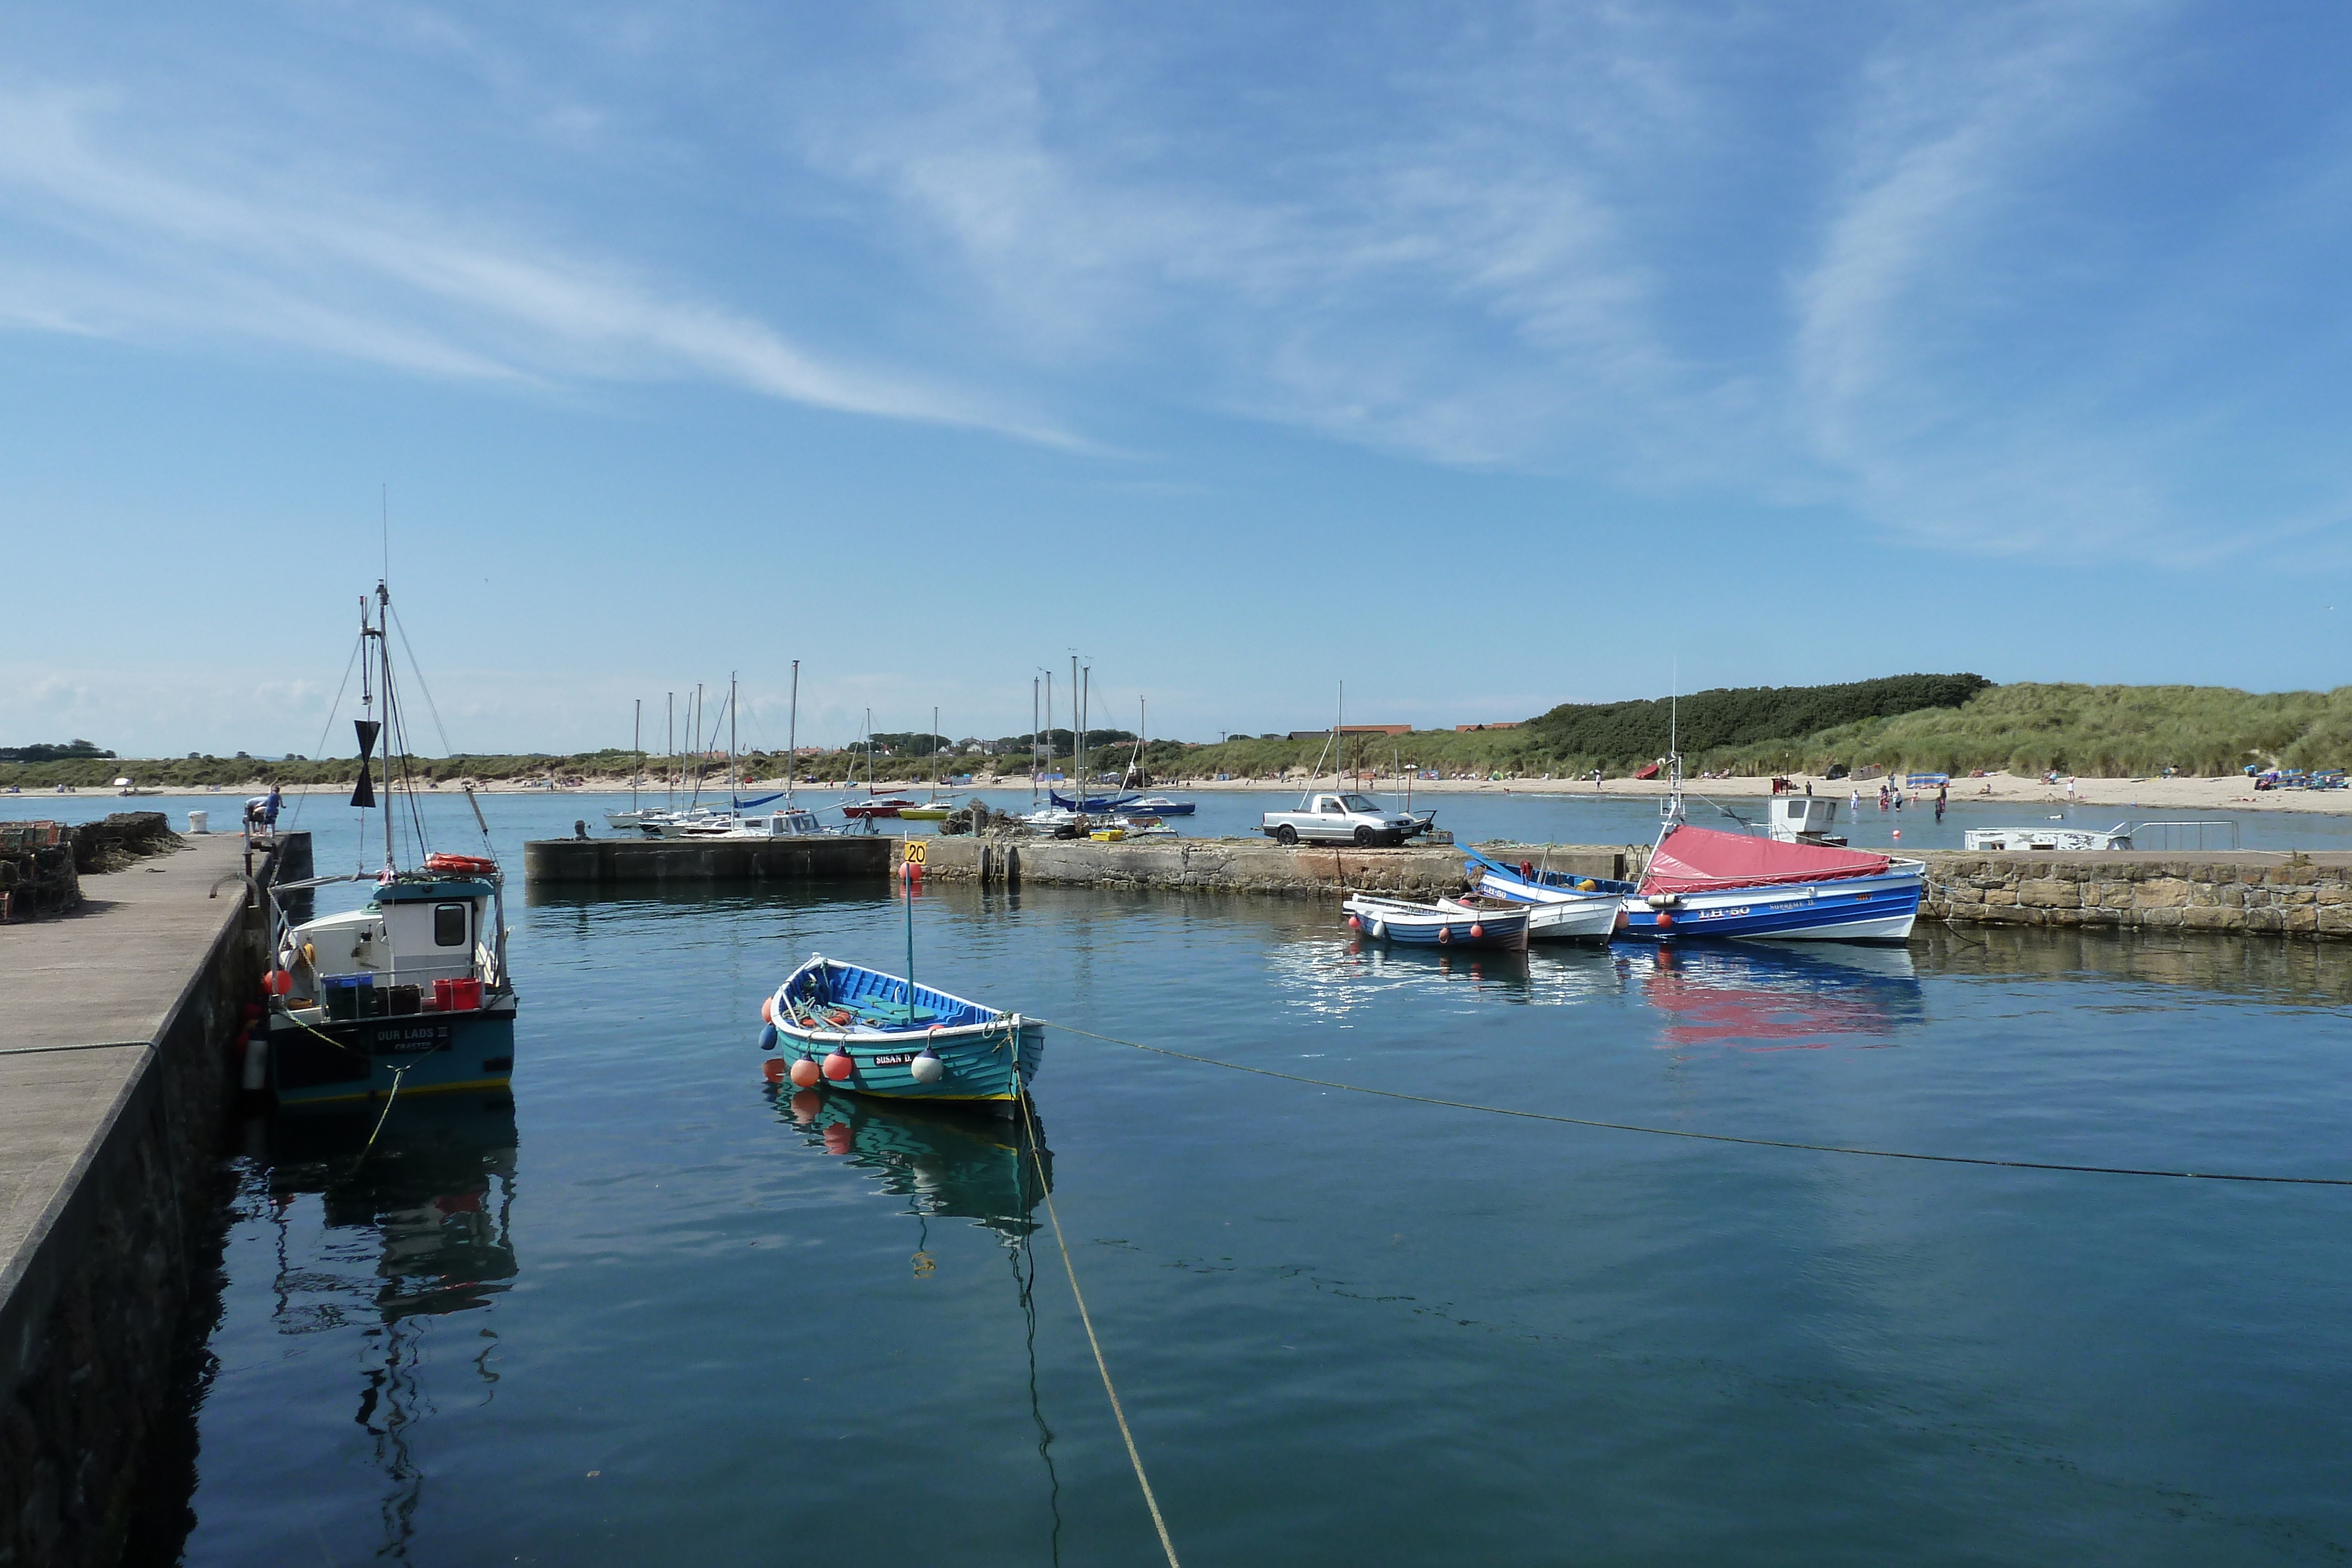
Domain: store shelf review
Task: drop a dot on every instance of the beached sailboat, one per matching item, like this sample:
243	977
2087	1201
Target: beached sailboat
409	994
933	810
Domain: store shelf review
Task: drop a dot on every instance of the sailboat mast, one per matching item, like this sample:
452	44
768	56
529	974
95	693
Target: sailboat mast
730	740
670	757
383	651
1077	736
1033	740
936	738
792	737
637	744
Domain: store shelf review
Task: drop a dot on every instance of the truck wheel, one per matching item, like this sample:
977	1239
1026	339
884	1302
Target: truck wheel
1285	835
1363	837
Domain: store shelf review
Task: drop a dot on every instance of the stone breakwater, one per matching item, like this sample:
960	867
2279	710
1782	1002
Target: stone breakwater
2246	892
1235	866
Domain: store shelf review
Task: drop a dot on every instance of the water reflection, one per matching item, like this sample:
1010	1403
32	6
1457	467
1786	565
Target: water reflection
948	1164
1764	998
432	1199
1337	976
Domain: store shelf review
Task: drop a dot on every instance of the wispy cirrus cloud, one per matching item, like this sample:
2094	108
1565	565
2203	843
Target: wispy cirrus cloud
116	243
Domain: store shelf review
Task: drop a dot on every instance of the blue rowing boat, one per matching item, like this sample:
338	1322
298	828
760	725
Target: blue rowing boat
873	1033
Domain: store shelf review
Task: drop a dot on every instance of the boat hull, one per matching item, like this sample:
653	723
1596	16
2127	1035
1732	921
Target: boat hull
343	1061
1416	925
1588	919
924	813
980	1069
824	1008
1853	909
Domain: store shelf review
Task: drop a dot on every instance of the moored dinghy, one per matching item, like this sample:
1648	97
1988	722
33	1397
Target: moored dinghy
1560	907
1446	922
876	1033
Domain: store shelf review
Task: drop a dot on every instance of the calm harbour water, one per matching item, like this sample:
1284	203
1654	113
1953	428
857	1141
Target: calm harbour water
649	1311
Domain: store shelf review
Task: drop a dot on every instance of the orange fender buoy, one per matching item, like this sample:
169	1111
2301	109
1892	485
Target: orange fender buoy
767	1009
1444	934
1478	932
839	1066
805	1074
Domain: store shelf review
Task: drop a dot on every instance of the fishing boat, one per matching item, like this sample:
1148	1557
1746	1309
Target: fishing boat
875	1033
1441	923
1561	907
1706	884
408	995
1157	806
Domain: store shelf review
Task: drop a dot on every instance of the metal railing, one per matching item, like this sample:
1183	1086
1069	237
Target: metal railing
2216	826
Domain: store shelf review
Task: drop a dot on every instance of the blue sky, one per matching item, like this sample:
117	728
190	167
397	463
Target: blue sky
1483	357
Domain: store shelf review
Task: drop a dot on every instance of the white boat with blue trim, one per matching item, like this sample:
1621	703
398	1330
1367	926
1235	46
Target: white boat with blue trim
1561	907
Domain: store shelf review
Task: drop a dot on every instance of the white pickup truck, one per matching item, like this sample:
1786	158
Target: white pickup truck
1342	819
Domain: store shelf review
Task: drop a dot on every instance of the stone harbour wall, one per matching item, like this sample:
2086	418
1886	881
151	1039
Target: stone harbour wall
2248	892
1235	866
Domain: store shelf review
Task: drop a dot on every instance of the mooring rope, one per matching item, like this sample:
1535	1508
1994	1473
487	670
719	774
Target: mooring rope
1133	1458
1705	1137
390	1095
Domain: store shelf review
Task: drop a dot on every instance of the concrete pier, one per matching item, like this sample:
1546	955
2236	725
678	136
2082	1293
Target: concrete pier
640	864
114	1025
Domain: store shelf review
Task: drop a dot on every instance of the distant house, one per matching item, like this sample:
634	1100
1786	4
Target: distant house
1352	729
1500	723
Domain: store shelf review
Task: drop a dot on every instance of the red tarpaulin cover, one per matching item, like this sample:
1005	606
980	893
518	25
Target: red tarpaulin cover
1694	860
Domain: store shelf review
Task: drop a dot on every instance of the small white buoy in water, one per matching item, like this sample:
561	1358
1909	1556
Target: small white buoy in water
927	1068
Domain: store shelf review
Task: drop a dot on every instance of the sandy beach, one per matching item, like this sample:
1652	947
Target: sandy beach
2182	795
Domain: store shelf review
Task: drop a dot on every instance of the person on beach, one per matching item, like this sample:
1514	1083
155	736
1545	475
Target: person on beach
1853	808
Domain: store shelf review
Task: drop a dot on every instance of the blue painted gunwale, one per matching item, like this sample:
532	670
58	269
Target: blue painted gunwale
989	1055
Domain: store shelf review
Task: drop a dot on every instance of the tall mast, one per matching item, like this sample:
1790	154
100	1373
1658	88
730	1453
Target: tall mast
1033	740
792	737
936	738
383	651
637	743
669	762
730	740
1049	723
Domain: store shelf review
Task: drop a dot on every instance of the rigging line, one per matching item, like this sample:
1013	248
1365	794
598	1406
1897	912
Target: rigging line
1709	1137
418	670
1086	1319
332	708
